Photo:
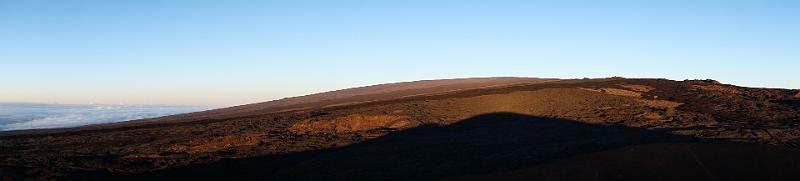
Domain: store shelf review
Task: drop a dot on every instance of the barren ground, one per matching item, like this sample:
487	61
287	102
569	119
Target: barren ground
598	129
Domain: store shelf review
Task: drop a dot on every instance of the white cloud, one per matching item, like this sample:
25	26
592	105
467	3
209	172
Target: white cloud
57	116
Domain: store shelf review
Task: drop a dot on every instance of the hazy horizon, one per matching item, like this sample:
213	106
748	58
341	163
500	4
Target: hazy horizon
20	116
223	54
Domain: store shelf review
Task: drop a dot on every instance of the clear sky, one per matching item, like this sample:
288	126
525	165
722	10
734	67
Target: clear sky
234	52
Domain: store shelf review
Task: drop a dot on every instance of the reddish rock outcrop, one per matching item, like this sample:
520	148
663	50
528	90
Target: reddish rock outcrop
350	123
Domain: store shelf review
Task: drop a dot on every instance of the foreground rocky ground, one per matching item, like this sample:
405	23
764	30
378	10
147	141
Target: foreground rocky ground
594	129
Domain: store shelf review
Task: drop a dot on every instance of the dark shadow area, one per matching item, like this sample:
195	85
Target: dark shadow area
479	145
793	103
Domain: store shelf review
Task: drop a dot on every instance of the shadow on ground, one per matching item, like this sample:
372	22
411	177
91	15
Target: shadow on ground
485	145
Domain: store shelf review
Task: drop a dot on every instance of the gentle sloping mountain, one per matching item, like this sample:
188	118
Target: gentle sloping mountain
333	98
587	129
354	96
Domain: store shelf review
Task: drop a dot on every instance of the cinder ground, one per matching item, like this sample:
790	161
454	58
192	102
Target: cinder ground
594	129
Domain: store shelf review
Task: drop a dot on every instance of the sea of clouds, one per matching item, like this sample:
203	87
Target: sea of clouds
18	116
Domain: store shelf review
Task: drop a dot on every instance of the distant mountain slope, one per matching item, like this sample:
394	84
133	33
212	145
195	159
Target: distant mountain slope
319	100
354	95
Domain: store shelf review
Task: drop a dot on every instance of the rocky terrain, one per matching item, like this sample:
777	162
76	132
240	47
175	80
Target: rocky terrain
462	129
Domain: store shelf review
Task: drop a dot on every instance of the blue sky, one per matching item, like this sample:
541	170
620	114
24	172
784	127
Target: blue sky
234	52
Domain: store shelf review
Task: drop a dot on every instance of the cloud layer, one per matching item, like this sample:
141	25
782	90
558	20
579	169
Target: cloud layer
17	116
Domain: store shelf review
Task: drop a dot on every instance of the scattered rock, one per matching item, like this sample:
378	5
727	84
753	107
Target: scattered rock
661	104
638	88
706	81
719	88
615	91
207	145
712	81
350	123
653	116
